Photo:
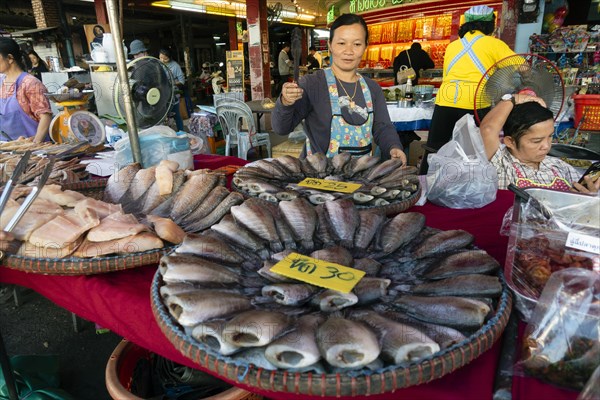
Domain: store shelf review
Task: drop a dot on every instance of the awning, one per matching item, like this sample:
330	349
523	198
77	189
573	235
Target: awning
32	31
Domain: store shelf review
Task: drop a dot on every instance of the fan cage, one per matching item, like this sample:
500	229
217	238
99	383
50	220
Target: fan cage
520	73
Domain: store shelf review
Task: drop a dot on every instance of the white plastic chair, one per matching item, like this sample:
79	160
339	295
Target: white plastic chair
218	98
234	115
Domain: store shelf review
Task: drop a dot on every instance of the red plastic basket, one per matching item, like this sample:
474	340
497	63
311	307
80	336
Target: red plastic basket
587	106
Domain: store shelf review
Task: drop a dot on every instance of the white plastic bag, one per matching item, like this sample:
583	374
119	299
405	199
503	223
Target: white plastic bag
157	143
460	175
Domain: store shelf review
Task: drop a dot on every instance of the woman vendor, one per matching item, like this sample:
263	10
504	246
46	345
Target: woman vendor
523	160
24	110
342	110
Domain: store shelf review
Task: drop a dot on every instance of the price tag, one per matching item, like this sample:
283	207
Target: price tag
333	186
583	242
318	272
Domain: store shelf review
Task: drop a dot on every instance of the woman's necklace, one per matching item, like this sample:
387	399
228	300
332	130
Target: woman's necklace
352	103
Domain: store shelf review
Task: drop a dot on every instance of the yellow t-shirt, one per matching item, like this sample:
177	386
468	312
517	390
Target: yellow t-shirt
459	84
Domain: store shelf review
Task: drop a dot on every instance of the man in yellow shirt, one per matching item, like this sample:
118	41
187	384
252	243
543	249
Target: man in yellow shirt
465	61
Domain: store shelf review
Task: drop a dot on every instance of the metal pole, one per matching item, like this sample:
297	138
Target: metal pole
115	26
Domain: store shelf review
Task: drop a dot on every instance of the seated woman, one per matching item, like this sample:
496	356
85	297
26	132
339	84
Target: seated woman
523	160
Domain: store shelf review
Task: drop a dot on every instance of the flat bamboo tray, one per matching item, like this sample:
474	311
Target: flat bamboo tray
279	383
84	266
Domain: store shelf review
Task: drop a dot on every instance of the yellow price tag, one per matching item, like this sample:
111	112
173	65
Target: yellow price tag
318	272
333	186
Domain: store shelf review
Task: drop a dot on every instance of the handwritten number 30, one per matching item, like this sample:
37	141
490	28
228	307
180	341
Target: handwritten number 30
335	273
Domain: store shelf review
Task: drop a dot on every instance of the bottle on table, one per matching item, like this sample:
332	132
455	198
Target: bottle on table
408	93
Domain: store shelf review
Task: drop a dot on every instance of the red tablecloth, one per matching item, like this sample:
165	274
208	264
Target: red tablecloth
120	301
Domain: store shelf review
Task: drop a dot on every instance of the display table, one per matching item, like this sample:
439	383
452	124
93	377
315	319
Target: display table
410	119
120	301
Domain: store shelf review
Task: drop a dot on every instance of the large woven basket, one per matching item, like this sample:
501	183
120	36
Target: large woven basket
84	266
280	383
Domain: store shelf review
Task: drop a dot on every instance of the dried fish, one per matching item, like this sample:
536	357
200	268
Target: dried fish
190	268
343	220
443	242
302	220
192	308
471	285
298	348
254	328
289	294
464	262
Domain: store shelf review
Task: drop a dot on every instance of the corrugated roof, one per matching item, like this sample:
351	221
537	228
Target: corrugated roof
31	31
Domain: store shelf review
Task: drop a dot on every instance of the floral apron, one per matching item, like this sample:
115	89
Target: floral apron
558	183
345	137
13	120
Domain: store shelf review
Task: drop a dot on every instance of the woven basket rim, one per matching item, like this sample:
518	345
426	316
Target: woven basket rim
85	266
352	383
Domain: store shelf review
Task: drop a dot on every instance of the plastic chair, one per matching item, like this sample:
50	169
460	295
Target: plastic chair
219	98
233	116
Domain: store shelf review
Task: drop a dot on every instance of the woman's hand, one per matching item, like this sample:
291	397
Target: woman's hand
524	98
291	93
589	185
397	153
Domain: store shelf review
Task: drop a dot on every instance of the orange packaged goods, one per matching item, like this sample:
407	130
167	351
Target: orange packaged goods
375	34
388	33
587	107
405	30
387	52
443	25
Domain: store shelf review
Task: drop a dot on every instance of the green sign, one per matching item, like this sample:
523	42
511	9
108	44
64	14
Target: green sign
358	6
332	14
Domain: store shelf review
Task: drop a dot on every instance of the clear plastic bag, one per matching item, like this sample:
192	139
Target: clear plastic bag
157	143
562	341
460	175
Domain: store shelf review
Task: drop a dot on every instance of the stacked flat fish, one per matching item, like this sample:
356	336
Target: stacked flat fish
276	179
424	290
192	200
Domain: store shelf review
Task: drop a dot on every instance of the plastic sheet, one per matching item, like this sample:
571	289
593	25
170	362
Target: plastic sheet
460	175
157	143
562	340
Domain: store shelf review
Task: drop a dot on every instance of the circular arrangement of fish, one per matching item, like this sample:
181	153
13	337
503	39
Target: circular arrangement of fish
276	179
424	291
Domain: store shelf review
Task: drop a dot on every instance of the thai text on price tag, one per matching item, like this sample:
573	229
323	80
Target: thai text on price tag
333	186
318	272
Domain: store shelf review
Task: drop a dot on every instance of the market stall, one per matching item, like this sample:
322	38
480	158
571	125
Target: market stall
120	302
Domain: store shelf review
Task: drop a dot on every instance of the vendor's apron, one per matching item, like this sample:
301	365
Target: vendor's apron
467	50
345	137
13	120
558	183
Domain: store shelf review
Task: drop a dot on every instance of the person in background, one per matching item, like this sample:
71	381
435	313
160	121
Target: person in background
465	61
325	62
419	59
312	61
165	56
342	110
24	109
523	159
284	65
137	49
37	64
98	32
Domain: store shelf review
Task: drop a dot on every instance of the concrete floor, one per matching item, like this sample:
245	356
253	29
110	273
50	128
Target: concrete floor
39	327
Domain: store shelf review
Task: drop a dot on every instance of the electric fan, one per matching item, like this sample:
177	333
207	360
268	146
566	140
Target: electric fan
152	91
520	74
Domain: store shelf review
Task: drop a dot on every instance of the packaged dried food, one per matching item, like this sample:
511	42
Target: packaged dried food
562	340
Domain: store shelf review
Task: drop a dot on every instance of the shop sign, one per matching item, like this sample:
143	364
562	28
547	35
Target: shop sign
235	71
332	14
358	6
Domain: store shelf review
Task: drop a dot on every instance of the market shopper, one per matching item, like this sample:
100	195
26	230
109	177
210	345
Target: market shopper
523	159
24	109
284	66
342	110
165	56
465	61
137	49
37	64
415	57
311	59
